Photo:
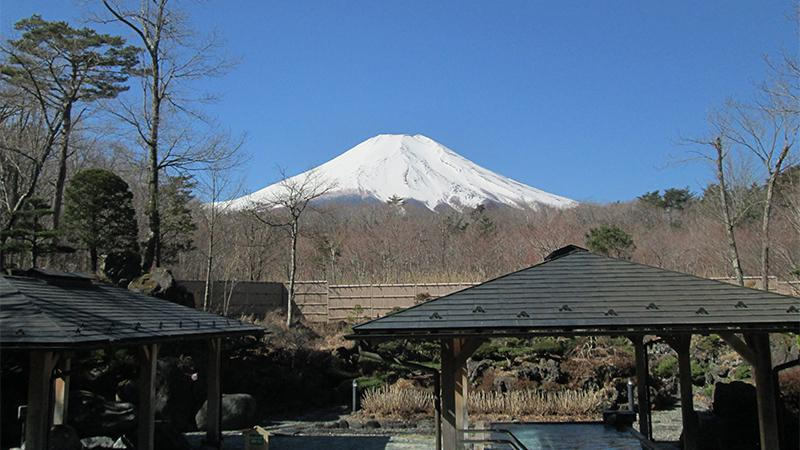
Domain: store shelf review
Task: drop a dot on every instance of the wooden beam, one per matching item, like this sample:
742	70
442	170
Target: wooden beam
740	346
765	391
437	406
37	420
681	346
449	429
468	346
455	389
214	389
61	390
148	362
642	392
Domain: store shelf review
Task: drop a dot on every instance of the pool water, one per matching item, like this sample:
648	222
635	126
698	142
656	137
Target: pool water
577	436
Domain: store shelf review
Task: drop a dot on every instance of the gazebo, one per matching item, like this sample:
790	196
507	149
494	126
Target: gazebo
51	314
577	292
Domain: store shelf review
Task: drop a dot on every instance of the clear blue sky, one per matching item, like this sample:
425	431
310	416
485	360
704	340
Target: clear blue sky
586	99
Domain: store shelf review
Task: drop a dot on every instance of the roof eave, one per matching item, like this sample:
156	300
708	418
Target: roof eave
104	343
702	329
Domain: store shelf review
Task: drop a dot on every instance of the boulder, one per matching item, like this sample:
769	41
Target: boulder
503	382
63	437
120	267
127	391
160	283
475	369
102	443
239	411
736	401
175	401
663	393
736	407
543	370
91	415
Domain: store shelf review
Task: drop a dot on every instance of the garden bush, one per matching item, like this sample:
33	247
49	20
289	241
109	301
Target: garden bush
667	367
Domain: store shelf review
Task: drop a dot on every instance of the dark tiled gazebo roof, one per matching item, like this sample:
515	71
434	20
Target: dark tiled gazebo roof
576	291
48	314
56	310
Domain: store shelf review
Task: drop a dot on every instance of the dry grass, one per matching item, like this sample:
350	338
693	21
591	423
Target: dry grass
535	403
409	401
397	401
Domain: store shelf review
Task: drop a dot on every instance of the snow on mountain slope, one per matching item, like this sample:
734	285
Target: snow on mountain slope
413	167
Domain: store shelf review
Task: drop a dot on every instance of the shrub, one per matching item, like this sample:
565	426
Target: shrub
742	372
551	345
698	374
789	382
707	344
667	367
510	348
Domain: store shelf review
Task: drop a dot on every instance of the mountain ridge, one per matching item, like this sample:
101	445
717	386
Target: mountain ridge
413	167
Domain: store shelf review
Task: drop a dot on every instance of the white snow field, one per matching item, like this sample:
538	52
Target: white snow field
413	168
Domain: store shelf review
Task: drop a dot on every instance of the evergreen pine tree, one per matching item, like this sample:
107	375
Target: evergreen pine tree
99	214
177	223
610	240
30	235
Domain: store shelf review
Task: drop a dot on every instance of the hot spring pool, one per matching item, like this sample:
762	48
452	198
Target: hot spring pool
578	436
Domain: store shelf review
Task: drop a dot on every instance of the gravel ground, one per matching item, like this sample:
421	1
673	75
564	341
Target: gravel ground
310	434
334	442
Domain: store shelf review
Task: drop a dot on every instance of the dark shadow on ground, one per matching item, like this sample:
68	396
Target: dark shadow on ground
332	413
328	442
278	442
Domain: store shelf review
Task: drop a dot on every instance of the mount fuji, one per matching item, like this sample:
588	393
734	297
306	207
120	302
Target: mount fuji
414	168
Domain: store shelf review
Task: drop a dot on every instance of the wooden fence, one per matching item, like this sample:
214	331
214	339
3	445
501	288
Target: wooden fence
358	301
319	301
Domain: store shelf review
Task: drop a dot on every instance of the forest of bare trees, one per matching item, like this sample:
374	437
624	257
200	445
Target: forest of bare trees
393	243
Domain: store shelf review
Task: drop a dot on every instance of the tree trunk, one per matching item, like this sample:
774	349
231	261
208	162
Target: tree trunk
726	214
292	270
58	195
93	259
209	260
152	254
765	220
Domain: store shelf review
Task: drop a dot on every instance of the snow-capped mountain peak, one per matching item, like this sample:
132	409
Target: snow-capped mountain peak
413	168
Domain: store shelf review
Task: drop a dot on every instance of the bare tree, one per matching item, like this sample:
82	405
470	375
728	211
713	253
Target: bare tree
63	67
172	57
284	210
28	132
217	185
718	156
768	131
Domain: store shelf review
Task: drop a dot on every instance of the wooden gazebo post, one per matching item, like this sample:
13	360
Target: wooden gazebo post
765	391
681	346
642	373
61	387
214	390
37	419
455	388
148	362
